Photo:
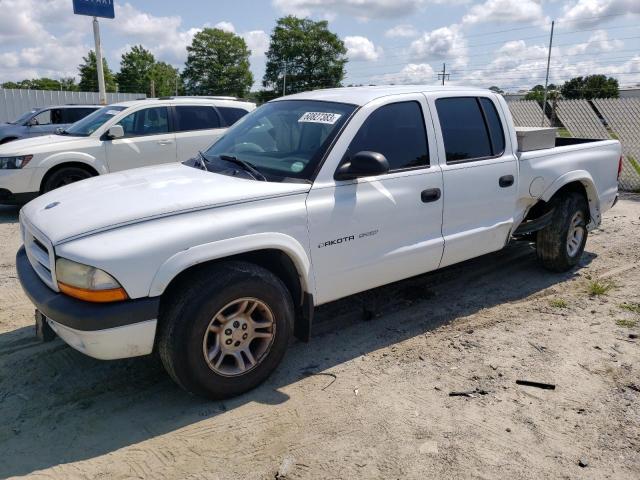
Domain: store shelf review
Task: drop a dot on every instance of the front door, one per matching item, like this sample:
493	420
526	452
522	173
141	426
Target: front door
372	231
480	177
148	140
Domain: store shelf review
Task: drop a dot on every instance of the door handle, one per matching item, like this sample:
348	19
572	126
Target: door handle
430	195
506	181
165	142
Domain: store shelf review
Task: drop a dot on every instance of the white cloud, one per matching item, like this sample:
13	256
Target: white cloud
363	9
410	74
226	26
506	11
257	41
441	43
361	48
593	12
597	43
402	31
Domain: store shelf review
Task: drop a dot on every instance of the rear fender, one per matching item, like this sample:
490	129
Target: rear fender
589	185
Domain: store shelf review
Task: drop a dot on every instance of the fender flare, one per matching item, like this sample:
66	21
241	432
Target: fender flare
586	180
73	157
185	259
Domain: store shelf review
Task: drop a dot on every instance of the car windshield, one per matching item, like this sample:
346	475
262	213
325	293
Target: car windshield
283	140
23	118
89	124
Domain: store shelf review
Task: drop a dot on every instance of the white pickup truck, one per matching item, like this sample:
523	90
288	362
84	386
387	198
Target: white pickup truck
216	263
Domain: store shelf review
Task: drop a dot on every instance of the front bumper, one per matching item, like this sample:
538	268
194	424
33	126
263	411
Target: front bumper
7	197
16	186
104	331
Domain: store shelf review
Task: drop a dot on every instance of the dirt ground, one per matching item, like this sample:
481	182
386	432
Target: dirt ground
369	396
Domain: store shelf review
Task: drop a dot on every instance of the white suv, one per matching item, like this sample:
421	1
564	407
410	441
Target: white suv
117	137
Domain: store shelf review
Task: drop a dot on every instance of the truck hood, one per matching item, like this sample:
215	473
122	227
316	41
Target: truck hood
45	143
109	201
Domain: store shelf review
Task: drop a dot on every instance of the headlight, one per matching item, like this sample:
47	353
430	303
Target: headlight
14	163
87	283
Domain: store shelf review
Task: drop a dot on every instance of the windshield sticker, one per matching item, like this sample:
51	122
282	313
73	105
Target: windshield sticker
297	167
319	117
112	112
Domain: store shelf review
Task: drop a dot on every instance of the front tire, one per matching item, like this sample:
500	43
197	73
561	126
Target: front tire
65	176
559	246
224	330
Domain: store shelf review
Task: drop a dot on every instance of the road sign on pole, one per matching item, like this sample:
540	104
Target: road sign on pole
95	9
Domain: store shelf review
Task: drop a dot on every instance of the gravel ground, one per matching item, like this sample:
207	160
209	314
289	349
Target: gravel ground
369	396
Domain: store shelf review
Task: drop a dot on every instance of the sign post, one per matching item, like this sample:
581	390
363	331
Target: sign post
95	9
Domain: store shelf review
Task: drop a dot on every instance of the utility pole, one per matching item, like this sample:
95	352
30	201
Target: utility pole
153	88
101	88
546	81
176	85
443	73
284	80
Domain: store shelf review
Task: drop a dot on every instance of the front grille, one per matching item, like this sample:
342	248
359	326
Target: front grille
40	253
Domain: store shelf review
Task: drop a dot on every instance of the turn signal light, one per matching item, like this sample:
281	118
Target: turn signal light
96	296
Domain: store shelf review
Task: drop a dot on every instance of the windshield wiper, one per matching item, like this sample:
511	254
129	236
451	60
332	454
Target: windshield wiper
257	175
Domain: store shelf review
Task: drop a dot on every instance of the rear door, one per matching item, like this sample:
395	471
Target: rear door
196	127
148	140
376	230
480	173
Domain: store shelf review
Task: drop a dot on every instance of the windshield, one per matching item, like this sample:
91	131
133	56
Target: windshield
22	119
89	124
285	139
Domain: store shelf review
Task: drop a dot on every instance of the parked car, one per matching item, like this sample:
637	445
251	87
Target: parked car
311	198
117	137
42	121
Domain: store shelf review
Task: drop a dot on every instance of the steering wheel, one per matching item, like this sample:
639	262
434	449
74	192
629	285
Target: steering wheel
248	147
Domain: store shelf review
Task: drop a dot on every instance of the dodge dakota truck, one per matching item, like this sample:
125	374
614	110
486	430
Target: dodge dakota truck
216	263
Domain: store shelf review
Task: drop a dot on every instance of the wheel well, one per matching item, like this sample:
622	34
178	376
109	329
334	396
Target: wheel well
57	168
274	260
543	207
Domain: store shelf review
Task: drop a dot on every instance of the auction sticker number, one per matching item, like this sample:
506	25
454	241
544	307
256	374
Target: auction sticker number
320	117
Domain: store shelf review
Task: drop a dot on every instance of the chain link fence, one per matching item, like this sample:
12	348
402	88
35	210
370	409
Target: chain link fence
617	118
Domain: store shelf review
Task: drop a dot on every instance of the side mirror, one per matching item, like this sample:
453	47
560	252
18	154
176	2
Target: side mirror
59	130
33	122
362	164
115	131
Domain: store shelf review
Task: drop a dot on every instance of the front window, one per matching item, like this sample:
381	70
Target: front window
283	140
150	121
23	118
91	123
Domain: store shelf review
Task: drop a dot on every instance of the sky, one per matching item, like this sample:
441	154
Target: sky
482	42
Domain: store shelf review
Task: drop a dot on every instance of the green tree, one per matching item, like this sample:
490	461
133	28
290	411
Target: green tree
217	64
35	84
313	56
135	70
591	86
537	93
89	74
166	80
69	84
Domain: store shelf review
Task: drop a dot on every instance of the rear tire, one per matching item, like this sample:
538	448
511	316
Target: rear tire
559	246
65	176
224	330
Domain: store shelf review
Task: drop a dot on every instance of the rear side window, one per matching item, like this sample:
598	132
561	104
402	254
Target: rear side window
231	115
398	132
189	118
471	128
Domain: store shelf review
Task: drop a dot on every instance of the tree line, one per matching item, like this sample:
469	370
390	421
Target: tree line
218	64
583	87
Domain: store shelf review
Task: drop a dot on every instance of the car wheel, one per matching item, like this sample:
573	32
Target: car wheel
224	330
559	246
65	176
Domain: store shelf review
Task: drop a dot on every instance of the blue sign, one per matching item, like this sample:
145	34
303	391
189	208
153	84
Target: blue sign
94	8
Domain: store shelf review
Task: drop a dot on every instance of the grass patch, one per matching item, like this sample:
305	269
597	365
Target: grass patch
631	307
627	323
596	287
558	303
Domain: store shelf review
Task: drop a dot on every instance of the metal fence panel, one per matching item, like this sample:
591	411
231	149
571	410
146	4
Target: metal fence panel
14	103
527	113
623	118
580	120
